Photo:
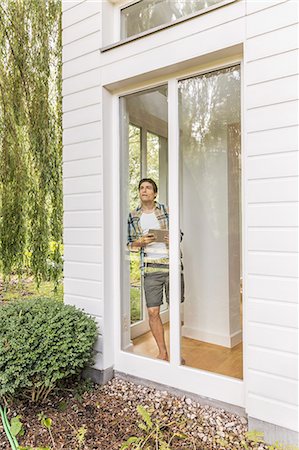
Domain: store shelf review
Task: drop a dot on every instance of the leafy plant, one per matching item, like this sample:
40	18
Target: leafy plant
30	137
47	423
156	434
255	437
42	341
80	436
16	426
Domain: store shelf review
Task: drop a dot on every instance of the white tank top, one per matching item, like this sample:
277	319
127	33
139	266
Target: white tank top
156	250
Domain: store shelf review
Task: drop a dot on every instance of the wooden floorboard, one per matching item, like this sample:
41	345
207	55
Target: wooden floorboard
198	354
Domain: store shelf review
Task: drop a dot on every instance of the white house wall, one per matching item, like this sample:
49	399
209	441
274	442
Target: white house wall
82	161
268	33
271	123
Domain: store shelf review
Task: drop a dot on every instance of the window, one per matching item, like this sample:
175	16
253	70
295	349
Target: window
147	14
201	118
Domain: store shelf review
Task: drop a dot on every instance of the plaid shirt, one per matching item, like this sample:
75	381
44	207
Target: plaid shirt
135	232
134	227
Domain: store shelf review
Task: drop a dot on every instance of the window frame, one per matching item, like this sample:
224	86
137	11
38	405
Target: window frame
218	387
123	5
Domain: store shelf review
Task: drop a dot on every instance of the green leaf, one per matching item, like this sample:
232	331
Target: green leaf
145	416
142	426
16	426
255	436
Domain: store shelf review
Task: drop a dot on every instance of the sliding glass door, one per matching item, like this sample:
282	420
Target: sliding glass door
210	174
200	117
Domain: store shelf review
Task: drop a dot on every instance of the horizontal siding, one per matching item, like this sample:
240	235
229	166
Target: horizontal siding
91	306
273	239
82	99
80	12
277	66
82	160
270	19
75	185
90	166
83	219
84	271
273	190
68	4
273	166
273	312
273	91
256	6
273	116
281	413
279	41
82	133
272	215
272	288
79	47
273	337
273	141
89	288
271	261
284	390
81	82
273	361
81	64
83	253
81	116
81	236
81	29
83	202
82	150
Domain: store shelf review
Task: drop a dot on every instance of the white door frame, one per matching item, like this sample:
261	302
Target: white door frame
206	384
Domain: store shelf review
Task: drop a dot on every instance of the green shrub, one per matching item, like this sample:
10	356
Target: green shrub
41	342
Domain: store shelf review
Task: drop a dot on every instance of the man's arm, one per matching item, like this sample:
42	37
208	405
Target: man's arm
143	241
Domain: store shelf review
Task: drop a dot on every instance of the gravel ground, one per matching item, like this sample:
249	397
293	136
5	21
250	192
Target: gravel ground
109	416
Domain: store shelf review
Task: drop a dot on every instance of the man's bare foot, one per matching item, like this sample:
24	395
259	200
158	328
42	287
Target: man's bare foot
163	356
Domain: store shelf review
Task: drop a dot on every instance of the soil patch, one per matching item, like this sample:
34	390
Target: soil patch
107	416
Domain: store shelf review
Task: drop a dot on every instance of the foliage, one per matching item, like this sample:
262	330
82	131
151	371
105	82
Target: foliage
31	138
42	341
47	423
16	426
80	436
34	448
256	437
156	434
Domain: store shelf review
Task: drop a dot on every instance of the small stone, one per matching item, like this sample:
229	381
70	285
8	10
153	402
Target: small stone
188	401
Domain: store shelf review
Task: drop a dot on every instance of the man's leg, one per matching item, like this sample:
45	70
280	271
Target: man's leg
157	330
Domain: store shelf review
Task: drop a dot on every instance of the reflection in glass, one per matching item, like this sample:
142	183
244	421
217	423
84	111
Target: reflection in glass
144	131
147	14
209	111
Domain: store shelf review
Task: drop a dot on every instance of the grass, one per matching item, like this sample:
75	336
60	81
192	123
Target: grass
136	314
26	288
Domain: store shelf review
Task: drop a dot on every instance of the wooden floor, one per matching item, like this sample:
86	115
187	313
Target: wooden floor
197	354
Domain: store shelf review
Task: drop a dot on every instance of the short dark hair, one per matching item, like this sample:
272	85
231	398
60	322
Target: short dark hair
149	180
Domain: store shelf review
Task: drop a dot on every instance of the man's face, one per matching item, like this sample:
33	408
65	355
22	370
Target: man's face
146	192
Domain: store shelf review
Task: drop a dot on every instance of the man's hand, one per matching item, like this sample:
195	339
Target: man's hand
147	239
143	241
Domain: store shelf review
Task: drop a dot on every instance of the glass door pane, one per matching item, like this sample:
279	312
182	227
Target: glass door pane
210	217
144	134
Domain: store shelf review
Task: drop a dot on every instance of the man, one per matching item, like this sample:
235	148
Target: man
151	215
